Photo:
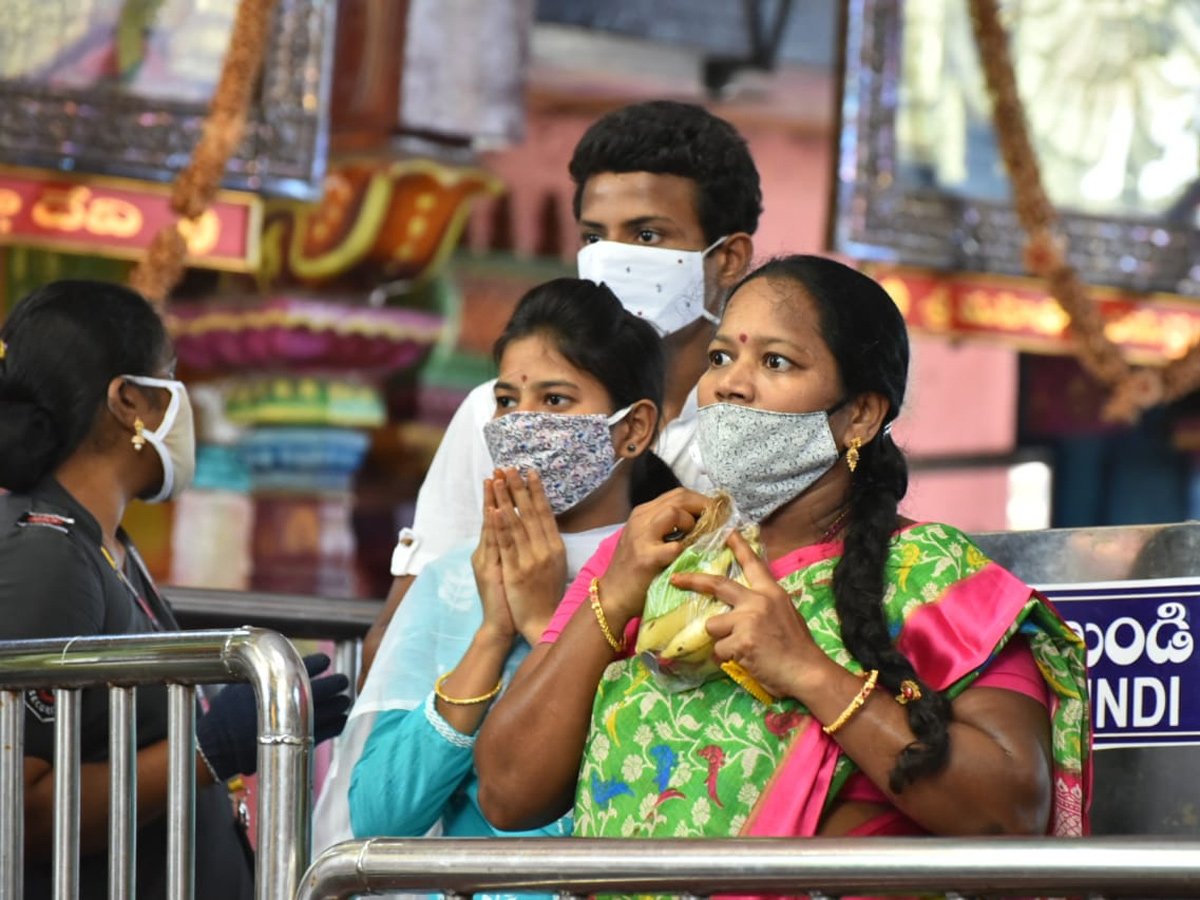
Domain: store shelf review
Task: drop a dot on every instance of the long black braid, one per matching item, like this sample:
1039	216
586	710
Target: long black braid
868	339
879	483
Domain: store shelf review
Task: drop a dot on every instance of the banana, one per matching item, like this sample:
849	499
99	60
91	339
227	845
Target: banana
655	633
693	638
702	654
693	642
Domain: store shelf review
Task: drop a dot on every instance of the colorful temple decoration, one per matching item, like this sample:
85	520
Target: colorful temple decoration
377	222
302	367
300	381
296	333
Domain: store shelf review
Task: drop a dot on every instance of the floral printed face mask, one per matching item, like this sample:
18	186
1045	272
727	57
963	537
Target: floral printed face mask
573	454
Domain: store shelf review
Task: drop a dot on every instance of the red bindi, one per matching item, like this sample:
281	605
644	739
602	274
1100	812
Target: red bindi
524	378
742	338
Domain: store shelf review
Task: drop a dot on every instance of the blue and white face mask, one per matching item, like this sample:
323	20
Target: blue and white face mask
764	458
573	454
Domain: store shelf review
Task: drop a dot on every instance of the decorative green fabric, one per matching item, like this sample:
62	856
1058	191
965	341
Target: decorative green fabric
698	762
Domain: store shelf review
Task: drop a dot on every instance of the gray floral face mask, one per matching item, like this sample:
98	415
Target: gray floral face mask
573	454
761	457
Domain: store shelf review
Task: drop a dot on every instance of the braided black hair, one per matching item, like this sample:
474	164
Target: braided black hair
867	337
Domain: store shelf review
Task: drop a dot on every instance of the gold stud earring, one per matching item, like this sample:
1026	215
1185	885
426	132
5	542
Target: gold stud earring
3	349
139	438
852	454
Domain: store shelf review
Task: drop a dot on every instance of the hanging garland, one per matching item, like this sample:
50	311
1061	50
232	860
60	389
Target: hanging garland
196	186
1133	390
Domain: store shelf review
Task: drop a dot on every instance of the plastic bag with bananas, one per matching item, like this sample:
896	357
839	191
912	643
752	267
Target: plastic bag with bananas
672	640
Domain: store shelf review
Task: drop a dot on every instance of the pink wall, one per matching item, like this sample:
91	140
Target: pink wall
962	397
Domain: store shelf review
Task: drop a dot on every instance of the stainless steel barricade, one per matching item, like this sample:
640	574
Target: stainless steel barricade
1019	867
265	659
341	620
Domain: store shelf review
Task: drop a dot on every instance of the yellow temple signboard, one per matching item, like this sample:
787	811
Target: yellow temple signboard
1151	328
118	217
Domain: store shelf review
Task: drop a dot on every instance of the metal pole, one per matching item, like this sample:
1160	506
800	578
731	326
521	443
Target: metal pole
181	791
122	792
12	795
265	659
284	762
66	794
346	656
1017	867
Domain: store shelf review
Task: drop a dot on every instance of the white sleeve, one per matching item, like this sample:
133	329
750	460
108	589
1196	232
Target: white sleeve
450	501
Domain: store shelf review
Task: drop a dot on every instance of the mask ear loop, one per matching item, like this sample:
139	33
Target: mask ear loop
713	318
841	404
615	419
714	245
620	414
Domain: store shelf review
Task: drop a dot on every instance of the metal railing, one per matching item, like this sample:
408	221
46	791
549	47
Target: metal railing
1019	867
296	615
266	660
342	620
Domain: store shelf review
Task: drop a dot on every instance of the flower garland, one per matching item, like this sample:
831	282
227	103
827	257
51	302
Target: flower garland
1133	390
196	186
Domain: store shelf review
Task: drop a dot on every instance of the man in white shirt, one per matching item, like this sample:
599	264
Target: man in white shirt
667	197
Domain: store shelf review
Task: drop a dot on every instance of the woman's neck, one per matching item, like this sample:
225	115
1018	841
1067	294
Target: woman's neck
817	515
608	505
92	484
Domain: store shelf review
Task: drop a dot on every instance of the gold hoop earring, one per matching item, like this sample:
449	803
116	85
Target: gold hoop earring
139	439
852	454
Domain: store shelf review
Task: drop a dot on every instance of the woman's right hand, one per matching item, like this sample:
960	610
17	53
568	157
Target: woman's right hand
532	554
644	550
489	570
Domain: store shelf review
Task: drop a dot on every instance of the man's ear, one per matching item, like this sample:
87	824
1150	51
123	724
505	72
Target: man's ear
734	258
637	430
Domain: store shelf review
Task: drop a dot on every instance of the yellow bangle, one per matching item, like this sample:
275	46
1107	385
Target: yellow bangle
594	597
468	701
855	705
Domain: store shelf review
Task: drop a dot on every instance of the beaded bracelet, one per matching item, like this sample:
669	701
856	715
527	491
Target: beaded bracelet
855	705
467	701
594	598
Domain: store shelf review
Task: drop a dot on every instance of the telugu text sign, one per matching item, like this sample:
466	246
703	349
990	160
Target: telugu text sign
119	217
1143	669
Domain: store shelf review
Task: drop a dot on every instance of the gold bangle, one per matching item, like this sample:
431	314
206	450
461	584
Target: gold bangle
468	701
855	705
594	598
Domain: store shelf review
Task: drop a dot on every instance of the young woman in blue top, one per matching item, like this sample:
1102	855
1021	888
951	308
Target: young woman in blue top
577	407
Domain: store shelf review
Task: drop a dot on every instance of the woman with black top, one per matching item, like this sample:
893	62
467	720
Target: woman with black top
91	418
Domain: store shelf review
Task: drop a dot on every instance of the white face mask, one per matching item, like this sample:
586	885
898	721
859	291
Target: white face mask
761	457
664	287
174	440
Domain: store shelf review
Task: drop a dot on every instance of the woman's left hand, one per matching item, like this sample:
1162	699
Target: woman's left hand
763	632
532	554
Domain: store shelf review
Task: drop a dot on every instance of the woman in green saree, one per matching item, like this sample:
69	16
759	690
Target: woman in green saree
923	689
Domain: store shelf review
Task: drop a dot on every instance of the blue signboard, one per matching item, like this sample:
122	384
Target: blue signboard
1143	669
